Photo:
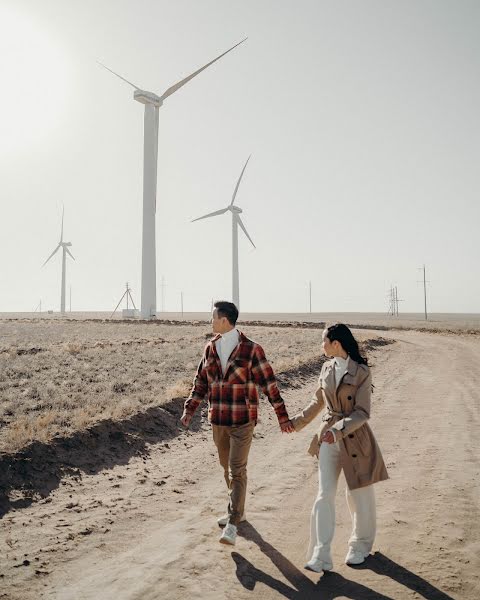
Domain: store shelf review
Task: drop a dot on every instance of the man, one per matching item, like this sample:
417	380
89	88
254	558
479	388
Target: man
231	368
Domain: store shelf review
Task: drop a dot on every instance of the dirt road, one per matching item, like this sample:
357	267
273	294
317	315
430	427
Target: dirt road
146	529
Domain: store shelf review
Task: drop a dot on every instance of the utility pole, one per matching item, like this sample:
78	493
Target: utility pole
393	301
425	292
181	302
310	294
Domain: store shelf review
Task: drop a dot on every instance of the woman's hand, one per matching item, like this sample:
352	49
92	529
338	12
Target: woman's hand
327	438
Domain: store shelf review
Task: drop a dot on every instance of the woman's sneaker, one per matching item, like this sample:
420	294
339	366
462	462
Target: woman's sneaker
355	557
318	565
229	535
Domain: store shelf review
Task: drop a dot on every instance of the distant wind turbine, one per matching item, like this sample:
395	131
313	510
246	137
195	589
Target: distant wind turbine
236	221
65	247
152	103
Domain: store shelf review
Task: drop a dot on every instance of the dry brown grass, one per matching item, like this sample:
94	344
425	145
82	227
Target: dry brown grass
60	377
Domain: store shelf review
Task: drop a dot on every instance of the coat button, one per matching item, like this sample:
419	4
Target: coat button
354	456
349	397
350	435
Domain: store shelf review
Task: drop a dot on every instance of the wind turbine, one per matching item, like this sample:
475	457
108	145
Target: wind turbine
236	221
65	247
152	103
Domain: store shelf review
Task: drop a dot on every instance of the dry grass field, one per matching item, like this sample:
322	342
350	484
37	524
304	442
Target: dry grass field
58	377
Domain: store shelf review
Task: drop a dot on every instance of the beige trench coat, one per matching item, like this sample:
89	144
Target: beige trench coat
346	410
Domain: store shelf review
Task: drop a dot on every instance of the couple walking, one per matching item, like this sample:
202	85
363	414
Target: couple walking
229	372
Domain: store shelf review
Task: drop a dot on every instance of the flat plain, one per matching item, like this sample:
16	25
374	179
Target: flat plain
104	495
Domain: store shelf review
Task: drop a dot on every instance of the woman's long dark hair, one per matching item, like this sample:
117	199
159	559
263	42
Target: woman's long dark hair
341	333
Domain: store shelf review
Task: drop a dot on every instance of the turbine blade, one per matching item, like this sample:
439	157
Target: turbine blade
171	90
68	252
51	255
213	214
119	76
61	232
240	222
238	182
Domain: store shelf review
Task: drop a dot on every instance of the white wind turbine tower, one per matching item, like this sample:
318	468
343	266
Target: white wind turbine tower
64	246
236	221
152	103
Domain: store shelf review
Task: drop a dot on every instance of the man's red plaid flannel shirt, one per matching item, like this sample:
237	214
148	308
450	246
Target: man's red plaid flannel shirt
233	396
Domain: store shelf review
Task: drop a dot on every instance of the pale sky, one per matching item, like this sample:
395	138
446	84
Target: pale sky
363	123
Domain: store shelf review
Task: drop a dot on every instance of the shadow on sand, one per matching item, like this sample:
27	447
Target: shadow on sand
330	585
39	468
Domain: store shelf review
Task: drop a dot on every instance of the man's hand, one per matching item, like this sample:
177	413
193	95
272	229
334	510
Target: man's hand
327	438
287	427
185	419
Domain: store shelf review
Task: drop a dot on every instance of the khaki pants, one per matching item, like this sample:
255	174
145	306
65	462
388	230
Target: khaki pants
233	445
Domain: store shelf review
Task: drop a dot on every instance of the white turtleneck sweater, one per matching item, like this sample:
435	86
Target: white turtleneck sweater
341	365
225	346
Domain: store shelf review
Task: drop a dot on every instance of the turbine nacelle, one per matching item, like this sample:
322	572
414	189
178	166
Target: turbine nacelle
235	209
145	97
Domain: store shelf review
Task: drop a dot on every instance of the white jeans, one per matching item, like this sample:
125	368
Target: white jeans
361	503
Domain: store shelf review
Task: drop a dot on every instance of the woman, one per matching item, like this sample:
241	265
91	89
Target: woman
344	441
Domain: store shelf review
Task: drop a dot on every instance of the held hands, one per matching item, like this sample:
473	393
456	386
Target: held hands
287	427
327	438
185	419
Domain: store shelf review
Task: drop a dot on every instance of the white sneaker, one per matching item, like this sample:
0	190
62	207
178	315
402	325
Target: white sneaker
355	557
229	535
224	520
318	565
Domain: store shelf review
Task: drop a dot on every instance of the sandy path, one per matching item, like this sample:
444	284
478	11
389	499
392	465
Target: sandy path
146	530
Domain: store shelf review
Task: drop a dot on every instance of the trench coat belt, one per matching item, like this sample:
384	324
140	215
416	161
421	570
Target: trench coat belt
332	413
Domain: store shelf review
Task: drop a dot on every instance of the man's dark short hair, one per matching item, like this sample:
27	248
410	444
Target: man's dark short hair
228	310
